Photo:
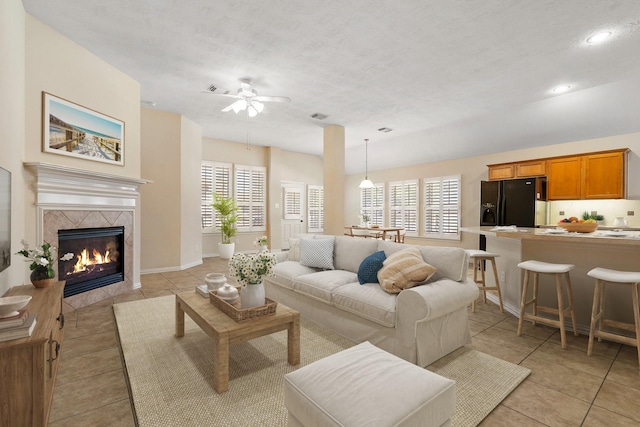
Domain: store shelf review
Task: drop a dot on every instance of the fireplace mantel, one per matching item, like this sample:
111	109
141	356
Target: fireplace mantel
77	188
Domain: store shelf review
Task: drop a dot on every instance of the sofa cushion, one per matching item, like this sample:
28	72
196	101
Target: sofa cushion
321	285
369	267
451	263
368	301
287	271
403	270
350	251
317	253
294	249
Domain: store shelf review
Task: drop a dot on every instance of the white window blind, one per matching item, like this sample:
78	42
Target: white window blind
315	208
372	203
442	207
251	197
403	205
214	178
292	203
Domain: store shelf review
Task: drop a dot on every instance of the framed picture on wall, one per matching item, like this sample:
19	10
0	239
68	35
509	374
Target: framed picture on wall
73	130
5	219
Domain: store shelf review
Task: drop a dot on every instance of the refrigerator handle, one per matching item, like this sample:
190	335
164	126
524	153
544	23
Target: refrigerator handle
500	209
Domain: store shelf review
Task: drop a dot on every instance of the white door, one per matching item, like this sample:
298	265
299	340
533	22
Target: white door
293	211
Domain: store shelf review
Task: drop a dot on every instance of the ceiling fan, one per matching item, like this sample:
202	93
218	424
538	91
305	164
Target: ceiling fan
247	98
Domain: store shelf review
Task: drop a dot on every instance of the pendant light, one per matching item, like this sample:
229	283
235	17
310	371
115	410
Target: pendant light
366	182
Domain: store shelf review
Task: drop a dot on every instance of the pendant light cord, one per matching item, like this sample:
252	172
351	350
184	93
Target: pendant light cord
366	159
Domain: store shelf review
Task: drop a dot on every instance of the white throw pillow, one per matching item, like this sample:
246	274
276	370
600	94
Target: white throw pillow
317	253
294	249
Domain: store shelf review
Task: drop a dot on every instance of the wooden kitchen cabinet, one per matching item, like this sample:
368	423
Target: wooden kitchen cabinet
564	180
589	176
526	169
28	366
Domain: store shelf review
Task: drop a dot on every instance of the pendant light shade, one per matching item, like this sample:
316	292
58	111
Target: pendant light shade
366	182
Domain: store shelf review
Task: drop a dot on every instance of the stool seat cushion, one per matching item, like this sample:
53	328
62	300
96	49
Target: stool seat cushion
476	253
366	386
615	275
545	267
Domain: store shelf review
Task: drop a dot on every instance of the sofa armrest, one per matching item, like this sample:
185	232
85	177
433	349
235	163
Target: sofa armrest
282	256
435	299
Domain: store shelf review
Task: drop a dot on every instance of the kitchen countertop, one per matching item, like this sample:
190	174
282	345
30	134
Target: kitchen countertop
627	237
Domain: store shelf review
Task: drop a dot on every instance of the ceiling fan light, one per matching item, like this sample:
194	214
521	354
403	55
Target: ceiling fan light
599	37
252	111
366	183
259	106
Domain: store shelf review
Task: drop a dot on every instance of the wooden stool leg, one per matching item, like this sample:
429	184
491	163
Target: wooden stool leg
536	277
484	280
563	338
603	285
525	286
495	275
636	313
594	316
571	308
475	279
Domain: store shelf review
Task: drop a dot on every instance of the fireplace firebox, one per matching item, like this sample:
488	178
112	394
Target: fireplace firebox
98	258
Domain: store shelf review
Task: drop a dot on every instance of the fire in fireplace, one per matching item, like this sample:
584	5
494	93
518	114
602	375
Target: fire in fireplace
98	258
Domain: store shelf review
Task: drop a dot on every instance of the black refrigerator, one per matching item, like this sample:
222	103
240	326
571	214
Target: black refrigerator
519	202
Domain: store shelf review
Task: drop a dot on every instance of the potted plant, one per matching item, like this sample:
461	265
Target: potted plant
227	211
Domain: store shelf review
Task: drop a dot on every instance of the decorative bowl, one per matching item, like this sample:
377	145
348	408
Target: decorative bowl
9	306
579	227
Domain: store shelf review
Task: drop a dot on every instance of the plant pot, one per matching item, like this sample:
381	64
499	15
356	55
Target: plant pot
252	295
40	277
264	248
226	250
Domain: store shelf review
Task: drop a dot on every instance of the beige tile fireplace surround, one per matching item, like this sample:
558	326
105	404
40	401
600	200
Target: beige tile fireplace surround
69	199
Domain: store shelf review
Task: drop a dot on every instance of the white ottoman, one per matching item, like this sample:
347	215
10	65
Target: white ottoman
366	386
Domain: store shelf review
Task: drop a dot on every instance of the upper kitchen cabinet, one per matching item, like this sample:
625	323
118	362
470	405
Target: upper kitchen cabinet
589	176
527	169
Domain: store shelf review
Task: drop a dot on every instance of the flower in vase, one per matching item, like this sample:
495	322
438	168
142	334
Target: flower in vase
251	269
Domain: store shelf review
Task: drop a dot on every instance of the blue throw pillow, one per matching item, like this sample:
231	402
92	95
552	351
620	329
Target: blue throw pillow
369	267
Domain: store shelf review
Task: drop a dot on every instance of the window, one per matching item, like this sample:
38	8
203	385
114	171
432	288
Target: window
214	178
442	207
372	203
403	205
251	197
292	203
315	211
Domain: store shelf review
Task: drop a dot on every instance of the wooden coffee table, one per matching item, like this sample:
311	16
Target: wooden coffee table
224	331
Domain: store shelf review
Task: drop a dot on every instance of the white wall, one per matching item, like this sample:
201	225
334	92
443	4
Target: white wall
12	130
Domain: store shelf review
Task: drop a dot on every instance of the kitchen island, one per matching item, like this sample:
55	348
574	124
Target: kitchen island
602	248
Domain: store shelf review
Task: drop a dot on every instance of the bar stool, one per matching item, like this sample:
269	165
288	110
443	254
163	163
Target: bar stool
479	257
627	278
560	271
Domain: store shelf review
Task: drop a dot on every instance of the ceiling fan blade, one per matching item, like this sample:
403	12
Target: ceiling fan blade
272	98
228	108
226	95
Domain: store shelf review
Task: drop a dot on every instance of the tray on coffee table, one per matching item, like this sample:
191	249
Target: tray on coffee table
239	314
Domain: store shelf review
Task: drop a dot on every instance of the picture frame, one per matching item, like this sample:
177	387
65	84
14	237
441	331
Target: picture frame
72	130
5	219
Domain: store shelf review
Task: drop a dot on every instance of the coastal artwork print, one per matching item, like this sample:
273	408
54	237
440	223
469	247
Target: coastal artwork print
5	219
72	130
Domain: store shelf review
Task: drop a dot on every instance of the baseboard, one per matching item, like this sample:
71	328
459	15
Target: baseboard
169	269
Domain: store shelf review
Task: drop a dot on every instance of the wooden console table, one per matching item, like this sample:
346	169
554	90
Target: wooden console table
28	366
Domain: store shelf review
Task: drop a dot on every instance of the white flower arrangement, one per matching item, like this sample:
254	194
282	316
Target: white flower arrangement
42	256
260	241
251	269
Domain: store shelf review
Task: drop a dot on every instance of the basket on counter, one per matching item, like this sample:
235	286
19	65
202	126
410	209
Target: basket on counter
239	314
579	227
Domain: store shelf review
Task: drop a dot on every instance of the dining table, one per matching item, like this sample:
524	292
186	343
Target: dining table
377	229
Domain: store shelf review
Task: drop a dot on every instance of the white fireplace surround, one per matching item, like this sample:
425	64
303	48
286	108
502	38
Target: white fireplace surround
69	192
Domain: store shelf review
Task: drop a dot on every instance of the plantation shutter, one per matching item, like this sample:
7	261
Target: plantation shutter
442	207
372	203
292	203
251	197
315	208
214	178
403	205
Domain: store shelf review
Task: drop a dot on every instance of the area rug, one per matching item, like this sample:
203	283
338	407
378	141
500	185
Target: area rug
170	378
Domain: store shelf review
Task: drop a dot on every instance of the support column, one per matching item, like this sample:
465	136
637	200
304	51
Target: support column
334	179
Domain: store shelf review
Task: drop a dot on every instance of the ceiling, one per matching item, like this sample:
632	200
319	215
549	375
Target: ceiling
452	78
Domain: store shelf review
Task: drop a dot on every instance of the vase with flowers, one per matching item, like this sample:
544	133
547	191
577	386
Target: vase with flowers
250	270
261	242
41	266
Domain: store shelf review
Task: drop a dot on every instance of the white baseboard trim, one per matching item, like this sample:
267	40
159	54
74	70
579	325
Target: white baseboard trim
168	269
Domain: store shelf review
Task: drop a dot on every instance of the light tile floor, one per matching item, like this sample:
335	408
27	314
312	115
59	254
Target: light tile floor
565	388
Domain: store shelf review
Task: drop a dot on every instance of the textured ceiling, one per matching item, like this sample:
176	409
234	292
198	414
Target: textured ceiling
452	78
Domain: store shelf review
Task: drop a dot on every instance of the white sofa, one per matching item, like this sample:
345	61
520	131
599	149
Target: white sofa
420	324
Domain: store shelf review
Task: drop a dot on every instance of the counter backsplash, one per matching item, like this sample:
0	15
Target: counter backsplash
610	209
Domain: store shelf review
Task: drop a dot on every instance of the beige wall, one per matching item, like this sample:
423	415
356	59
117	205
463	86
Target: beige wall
12	128
474	169
190	191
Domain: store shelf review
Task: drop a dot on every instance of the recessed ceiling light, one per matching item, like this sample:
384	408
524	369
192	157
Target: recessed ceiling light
599	37
561	89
